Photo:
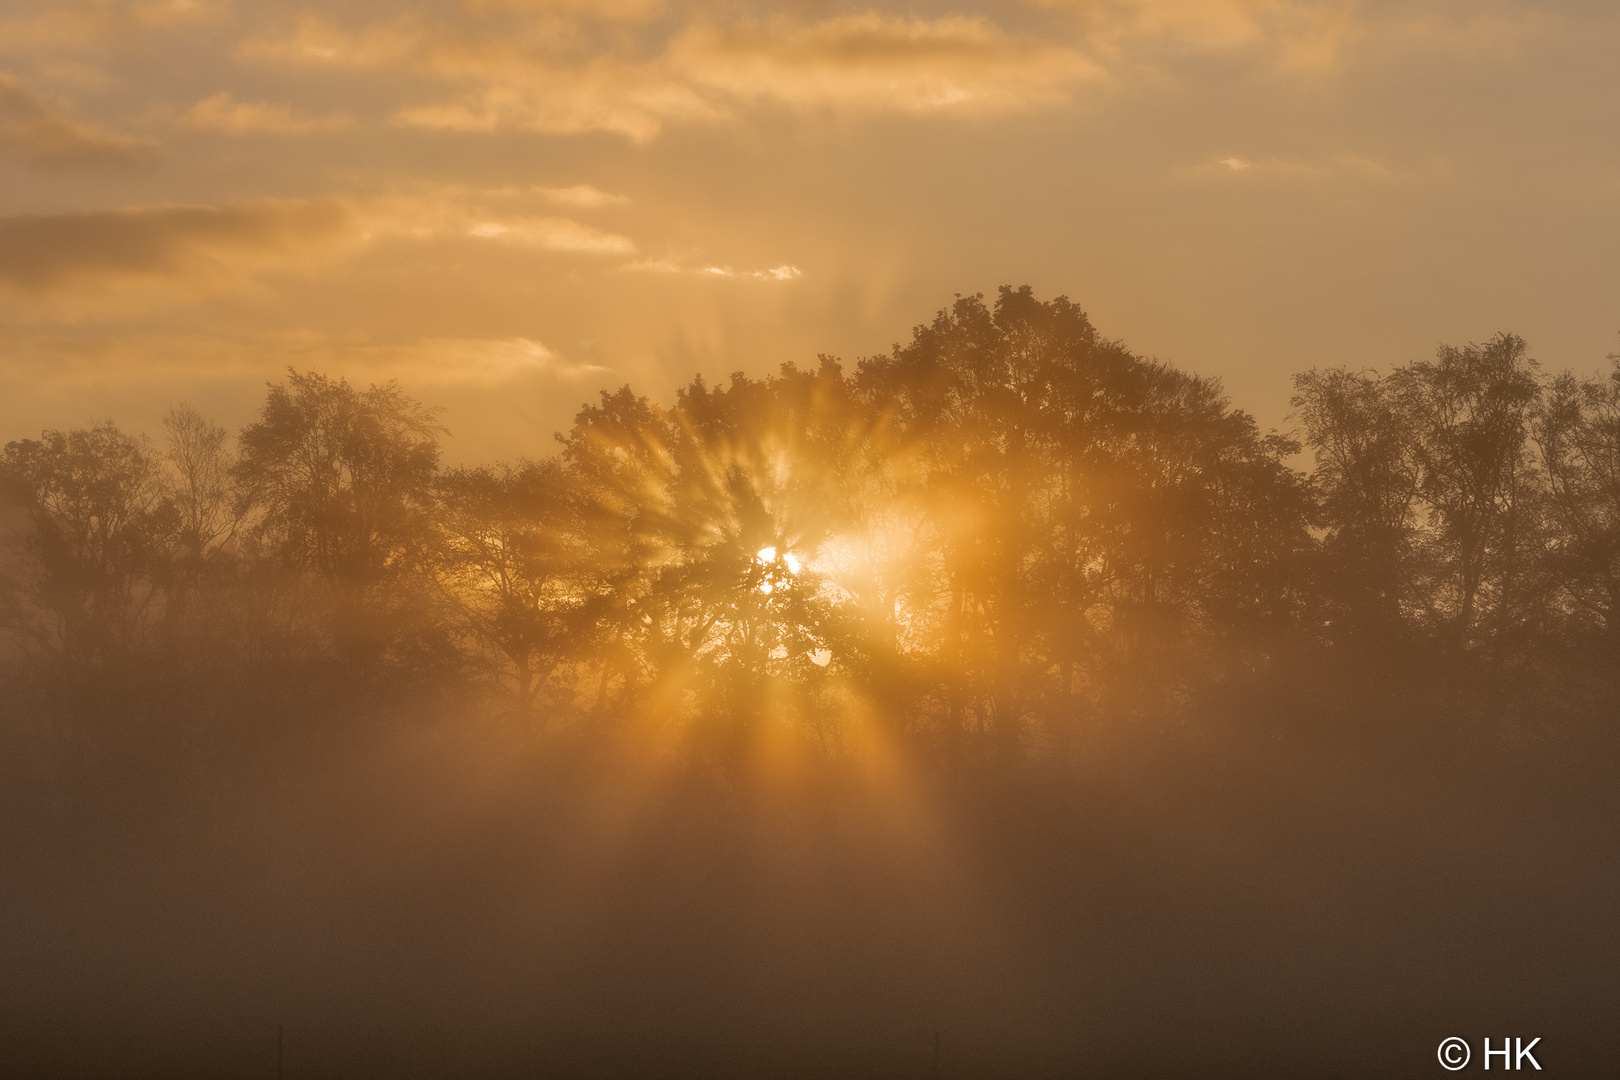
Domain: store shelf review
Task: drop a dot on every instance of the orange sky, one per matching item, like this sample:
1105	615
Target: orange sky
508	204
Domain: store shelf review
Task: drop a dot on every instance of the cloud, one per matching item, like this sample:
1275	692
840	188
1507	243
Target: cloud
706	72
632	11
52	359
880	63
33	132
224	113
775	273
439	361
213	246
77	24
317	41
1238	169
553	234
42	252
525	94
583	196
480	361
1298	34
656	266
669	265
459	213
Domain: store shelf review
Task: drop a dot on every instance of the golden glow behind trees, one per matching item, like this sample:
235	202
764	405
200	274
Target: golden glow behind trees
1000	537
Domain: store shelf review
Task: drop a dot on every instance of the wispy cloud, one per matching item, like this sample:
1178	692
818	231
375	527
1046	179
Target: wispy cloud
320	42
53	360
880	63
44	252
481	361
515	92
1294	34
673	265
1344	166
775	273
1312	37
222	112
32	131
78	24
553	234
707	71
213	246
583	196
548	72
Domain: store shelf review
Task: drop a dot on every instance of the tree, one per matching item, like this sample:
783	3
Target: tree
1366	483
342	479
702	520
1087	520
103	526
512	560
1578	432
204	493
340	486
1469	414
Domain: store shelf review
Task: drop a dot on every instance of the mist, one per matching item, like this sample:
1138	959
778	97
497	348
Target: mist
1008	704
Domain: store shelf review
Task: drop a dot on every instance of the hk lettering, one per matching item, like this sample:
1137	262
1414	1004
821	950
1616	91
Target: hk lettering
1520	1053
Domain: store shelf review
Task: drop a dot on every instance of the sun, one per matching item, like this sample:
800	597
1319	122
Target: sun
780	568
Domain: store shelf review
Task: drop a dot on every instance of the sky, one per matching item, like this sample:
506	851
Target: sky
508	205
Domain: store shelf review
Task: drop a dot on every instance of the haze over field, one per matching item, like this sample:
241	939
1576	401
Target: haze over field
698	540
510	203
1010	688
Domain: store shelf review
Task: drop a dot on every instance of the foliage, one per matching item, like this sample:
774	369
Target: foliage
996	541
103	522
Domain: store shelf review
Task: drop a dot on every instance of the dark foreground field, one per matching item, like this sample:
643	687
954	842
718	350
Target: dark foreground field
1007	705
407	895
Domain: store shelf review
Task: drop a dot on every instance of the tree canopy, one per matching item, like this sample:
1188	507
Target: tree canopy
1006	534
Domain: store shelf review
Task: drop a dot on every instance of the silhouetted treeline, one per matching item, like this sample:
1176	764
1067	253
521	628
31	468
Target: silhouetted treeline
1008	705
1000	536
